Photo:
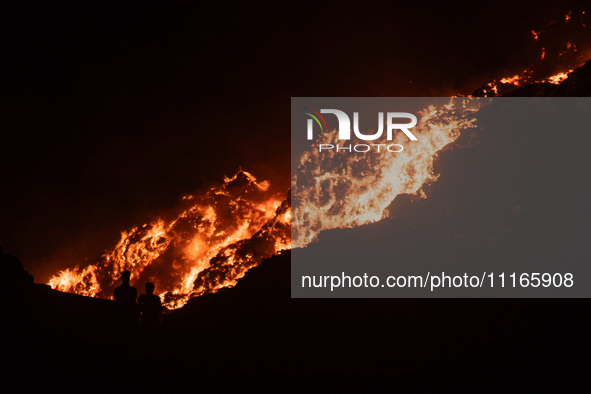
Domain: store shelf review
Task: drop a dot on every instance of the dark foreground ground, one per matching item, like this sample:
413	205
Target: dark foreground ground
254	335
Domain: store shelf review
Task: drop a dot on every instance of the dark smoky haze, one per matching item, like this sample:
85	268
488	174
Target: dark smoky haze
112	113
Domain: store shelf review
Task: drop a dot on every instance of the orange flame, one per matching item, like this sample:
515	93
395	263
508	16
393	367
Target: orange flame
557	78
340	190
513	80
219	235
213	226
565	58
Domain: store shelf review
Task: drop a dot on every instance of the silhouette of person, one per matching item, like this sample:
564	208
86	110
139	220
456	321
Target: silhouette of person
150	306
126	293
125	296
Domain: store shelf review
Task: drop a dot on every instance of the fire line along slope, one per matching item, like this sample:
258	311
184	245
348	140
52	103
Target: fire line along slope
514	195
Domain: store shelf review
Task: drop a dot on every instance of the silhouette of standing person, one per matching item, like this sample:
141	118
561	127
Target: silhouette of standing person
125	296
151	307
126	293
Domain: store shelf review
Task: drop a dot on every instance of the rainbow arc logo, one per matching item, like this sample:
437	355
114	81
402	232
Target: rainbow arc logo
317	121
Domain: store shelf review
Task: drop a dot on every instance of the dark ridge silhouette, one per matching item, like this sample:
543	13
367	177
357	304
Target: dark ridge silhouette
578	83
255	335
13	276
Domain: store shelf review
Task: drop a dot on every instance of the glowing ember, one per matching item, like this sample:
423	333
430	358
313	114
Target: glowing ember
513	80
556	79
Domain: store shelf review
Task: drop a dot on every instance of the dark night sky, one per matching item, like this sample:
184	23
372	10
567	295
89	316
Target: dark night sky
110	114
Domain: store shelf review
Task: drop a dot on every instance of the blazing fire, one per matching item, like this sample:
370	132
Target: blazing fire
513	80
556	79
339	190
216	236
210	244
555	53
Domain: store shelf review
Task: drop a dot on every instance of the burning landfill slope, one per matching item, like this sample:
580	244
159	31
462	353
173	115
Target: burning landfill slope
516	198
219	235
555	50
334	190
575	83
213	239
522	190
